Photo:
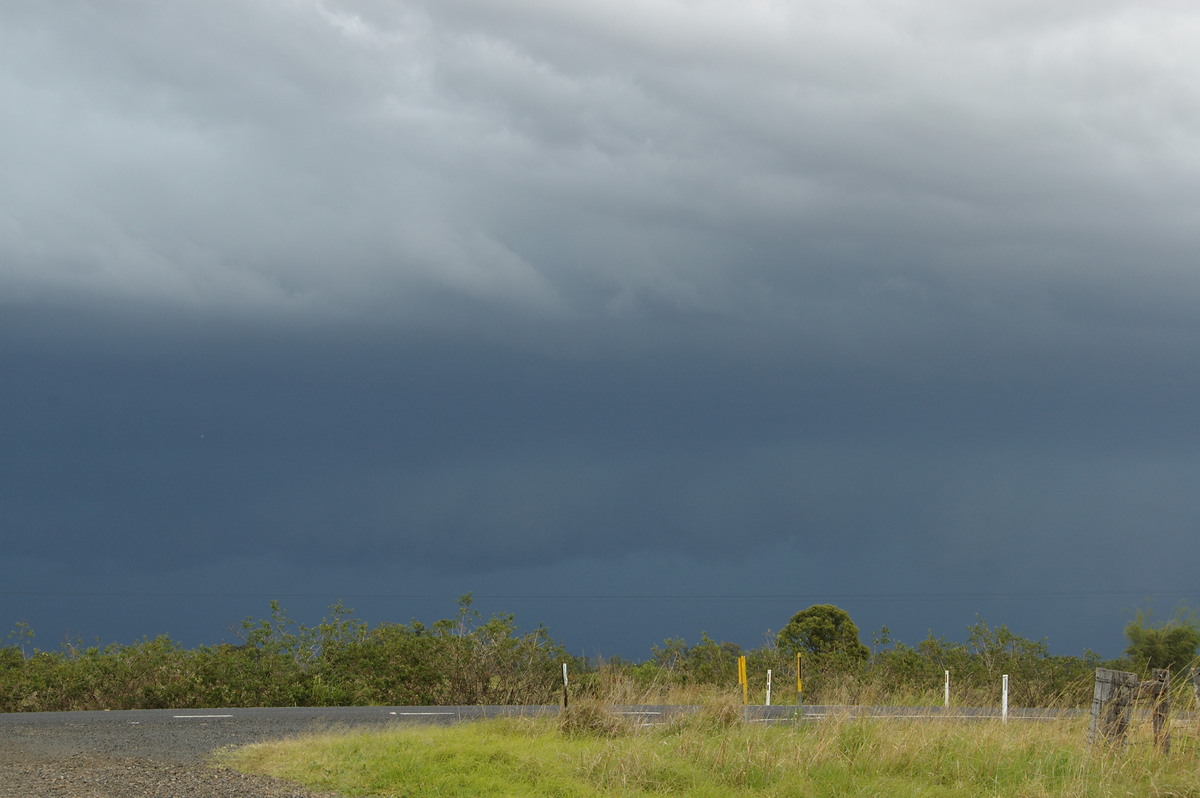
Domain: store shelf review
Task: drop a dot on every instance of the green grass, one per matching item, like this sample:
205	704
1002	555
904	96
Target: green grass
707	755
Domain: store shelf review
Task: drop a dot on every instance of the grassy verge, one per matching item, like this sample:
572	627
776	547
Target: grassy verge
714	753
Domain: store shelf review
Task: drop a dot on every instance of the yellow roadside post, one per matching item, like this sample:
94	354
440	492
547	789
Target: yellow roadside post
799	681
742	680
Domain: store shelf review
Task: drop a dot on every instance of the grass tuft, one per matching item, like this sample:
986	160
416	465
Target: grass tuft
591	718
713	717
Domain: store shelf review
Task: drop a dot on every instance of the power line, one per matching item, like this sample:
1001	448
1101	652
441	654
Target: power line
1027	595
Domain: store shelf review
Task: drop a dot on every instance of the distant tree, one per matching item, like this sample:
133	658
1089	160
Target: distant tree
1170	645
999	648
823	630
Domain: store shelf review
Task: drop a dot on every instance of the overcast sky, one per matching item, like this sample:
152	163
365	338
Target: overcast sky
639	320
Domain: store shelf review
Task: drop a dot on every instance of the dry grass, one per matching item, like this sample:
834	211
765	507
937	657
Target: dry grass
616	687
591	718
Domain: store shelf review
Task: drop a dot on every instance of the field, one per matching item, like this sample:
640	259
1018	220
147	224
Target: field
714	752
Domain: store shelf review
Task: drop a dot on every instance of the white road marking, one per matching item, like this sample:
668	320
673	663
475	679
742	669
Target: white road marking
202	716
424	713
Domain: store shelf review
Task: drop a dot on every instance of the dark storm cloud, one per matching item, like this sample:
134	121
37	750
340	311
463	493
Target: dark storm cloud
907	292
472	456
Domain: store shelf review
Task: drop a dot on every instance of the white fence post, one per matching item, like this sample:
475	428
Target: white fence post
768	687
1004	701
947	690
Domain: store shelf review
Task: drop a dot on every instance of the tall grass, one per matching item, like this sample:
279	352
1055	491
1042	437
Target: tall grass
622	684
714	753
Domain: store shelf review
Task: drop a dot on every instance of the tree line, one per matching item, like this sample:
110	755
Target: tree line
467	659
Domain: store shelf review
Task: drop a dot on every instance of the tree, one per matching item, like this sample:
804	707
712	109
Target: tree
823	630
1171	645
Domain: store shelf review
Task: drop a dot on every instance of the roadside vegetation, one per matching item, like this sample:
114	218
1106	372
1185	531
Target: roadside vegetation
467	659
713	752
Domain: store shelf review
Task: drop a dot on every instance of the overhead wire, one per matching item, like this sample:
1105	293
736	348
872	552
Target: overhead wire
1013	595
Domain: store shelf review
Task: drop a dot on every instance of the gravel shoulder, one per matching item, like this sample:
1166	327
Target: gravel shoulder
97	776
136	755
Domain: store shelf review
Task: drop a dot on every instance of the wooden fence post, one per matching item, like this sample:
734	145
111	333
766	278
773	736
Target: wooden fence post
1112	701
1158	690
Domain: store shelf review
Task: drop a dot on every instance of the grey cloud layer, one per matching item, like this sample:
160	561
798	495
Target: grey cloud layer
584	159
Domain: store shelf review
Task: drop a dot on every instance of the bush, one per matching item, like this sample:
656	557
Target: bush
1170	645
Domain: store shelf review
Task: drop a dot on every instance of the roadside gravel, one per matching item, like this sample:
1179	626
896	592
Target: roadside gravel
95	776
133	755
